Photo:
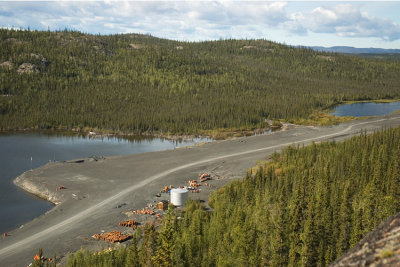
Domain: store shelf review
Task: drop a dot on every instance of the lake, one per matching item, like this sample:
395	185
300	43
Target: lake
22	151
366	109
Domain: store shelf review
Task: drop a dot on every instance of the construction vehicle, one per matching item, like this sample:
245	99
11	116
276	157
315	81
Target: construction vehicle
162	205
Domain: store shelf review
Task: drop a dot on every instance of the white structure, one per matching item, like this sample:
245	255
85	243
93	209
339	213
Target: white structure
179	196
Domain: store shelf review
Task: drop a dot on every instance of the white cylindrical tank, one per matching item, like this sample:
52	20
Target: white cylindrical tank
179	196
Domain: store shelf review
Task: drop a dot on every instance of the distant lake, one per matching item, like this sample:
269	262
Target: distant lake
16	150
366	109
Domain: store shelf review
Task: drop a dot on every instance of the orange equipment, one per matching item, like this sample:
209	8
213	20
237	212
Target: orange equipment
162	205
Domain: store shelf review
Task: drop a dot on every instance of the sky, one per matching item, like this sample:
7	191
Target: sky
306	23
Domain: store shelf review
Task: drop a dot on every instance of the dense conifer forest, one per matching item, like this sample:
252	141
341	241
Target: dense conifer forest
305	207
141	84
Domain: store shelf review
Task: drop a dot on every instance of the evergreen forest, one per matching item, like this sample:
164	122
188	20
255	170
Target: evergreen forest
131	83
305	207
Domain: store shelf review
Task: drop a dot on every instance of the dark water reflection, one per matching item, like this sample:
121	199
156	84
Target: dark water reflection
16	151
366	109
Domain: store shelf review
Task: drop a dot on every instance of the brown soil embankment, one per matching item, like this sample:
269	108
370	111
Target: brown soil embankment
26	182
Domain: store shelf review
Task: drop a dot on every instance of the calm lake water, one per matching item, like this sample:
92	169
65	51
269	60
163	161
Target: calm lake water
16	150
366	109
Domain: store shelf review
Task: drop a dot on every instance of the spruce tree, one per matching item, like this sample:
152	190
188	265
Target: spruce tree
164	256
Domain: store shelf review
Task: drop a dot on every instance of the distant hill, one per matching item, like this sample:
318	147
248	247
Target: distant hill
140	84
354	50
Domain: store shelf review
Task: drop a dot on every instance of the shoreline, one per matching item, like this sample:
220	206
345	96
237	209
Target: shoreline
370	101
29	186
216	134
32	188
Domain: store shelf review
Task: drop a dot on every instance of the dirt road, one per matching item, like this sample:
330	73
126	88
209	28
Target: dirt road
99	192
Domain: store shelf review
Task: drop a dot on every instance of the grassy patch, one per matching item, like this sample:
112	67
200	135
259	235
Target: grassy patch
228	133
386	254
374	101
323	119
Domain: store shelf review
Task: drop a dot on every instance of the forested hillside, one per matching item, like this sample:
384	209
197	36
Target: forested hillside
305	207
140	84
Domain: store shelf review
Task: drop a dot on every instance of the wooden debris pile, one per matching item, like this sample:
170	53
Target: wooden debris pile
204	177
193	183
129	223
113	237
144	211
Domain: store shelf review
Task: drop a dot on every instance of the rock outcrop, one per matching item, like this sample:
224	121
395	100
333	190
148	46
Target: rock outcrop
7	64
136	46
41	58
380	247
27	68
